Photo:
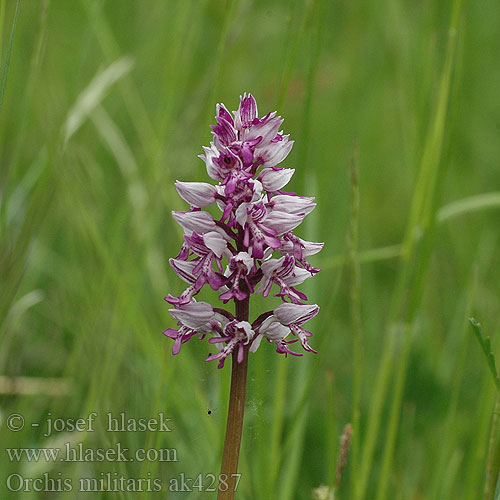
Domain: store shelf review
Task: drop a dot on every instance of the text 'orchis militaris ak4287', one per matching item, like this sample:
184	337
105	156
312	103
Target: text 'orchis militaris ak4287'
251	246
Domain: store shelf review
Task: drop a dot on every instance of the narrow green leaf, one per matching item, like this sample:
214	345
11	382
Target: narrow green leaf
5	71
497	490
95	92
485	344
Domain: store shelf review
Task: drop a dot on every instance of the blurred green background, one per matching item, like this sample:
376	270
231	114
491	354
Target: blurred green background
106	103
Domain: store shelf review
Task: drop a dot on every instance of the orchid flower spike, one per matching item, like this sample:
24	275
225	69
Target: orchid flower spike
250	247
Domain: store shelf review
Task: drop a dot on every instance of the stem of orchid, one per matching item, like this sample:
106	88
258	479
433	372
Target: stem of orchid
235	413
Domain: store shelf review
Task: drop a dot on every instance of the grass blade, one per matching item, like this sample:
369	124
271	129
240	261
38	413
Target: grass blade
5	71
414	263
464	206
483	201
484	342
94	94
355	310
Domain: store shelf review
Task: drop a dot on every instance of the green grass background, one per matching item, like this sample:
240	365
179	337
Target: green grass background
106	103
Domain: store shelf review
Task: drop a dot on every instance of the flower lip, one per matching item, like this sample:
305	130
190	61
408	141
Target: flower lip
236	334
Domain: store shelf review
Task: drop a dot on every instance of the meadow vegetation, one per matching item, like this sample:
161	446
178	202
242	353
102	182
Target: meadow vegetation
395	109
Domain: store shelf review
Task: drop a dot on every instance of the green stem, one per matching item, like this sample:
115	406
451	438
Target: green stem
491	476
232	442
355	310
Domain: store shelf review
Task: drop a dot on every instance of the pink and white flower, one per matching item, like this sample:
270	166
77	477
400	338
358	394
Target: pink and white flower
241	267
194	318
300	249
276	333
237	334
256	220
286	275
196	221
293	316
197	194
292	204
273	179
